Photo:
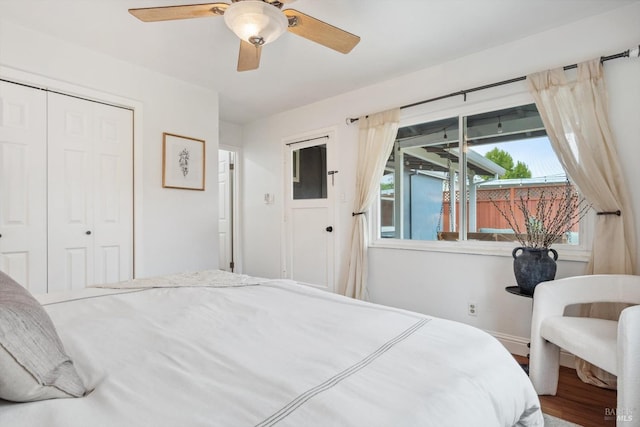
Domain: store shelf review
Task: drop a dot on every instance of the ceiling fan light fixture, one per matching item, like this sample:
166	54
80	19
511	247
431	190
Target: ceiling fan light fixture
255	21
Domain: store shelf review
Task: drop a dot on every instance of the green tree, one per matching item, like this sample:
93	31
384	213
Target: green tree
386	185
504	159
501	158
520	170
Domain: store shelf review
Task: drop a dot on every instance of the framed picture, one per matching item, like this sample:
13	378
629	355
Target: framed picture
182	162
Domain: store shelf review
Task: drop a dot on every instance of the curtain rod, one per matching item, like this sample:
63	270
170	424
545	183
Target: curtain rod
307	140
627	53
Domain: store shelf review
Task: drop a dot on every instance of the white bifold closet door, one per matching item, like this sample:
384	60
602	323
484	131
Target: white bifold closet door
23	185
90	193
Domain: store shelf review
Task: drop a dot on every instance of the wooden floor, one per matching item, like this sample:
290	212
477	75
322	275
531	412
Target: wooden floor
579	403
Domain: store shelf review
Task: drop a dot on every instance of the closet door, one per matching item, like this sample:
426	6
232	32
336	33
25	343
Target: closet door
90	205
113	194
23	174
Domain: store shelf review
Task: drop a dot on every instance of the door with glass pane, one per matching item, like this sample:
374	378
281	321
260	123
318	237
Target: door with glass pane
309	212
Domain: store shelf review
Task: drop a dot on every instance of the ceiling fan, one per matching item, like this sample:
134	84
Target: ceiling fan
256	23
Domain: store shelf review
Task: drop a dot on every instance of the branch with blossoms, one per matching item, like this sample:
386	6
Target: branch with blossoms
554	216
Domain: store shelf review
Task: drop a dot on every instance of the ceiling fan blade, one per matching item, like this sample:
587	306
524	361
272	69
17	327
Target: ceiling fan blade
320	32
249	57
169	13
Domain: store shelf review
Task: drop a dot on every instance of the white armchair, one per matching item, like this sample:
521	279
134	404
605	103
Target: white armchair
611	345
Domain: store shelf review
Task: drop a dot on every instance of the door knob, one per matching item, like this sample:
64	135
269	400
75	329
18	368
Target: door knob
88	232
329	229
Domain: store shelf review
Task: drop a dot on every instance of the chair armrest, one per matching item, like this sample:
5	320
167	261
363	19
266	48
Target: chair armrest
591	288
629	363
550	299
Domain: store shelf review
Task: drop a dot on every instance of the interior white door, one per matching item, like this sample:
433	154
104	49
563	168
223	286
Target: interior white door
226	167
23	175
309	215
90	207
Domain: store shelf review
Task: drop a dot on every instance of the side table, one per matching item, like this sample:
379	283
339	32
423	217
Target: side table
517	291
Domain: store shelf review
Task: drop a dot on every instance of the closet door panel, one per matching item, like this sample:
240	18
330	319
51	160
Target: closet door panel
23	197
113	193
71	184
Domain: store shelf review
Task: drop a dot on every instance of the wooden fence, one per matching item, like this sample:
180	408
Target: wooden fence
505	198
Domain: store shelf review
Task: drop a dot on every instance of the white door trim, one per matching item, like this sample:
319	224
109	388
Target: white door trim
45	83
237	218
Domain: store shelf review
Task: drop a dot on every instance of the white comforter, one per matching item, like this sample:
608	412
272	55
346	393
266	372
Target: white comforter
276	353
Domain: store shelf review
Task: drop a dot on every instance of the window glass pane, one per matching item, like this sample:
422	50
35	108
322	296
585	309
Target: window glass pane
419	171
387	205
309	172
508	159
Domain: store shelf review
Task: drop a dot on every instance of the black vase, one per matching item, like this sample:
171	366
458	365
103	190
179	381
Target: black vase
532	266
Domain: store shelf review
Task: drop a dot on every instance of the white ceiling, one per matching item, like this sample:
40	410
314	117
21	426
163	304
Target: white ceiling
398	37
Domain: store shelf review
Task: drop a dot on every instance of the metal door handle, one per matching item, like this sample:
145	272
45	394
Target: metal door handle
329	229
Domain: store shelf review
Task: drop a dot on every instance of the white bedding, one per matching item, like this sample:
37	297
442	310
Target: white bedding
274	353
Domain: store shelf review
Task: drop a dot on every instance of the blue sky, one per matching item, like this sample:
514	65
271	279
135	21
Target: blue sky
536	153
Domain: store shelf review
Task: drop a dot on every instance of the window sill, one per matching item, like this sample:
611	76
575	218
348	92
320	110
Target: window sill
505	249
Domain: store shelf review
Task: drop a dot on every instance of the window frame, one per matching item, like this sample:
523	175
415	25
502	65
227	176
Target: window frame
431	112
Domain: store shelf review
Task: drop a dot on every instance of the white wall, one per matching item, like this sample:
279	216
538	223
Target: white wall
176	230
432	282
230	135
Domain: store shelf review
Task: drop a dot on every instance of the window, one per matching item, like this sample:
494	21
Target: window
309	172
505	155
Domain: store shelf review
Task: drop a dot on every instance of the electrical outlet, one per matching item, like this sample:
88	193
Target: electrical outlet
472	309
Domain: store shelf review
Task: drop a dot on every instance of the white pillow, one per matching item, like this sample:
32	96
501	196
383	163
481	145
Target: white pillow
33	363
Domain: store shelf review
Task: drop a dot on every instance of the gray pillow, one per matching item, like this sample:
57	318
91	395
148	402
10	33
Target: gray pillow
33	363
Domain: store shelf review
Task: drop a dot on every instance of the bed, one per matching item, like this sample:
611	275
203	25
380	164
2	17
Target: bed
219	349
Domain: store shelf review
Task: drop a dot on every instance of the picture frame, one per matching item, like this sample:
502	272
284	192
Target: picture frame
183	162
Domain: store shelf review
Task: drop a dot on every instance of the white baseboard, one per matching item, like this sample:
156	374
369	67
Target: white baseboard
518	345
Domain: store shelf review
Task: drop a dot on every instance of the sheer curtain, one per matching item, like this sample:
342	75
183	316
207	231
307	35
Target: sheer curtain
377	134
575	115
